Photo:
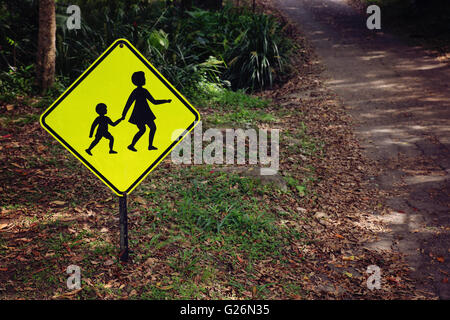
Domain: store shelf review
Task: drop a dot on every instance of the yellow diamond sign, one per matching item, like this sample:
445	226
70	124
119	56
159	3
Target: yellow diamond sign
121	117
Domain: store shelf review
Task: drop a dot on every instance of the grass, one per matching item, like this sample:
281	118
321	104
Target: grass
215	208
298	141
225	99
233	108
191	233
243	117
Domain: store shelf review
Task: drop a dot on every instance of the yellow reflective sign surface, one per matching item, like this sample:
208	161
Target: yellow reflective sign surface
121	117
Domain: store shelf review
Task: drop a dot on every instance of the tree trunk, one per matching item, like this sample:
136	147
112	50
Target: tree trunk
46	52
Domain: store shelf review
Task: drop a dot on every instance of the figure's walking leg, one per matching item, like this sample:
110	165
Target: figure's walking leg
151	135
93	144
137	137
111	143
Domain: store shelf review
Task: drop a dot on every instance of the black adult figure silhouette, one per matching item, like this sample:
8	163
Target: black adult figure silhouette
102	121
142	115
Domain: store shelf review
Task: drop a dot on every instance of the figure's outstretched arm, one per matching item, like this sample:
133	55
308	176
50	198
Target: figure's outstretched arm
115	123
150	98
94	124
130	101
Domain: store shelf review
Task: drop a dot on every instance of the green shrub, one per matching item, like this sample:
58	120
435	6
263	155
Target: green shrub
244	48
258	53
252	46
18	33
17	81
190	48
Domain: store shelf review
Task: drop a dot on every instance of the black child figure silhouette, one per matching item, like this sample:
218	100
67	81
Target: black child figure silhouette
142	115
102	121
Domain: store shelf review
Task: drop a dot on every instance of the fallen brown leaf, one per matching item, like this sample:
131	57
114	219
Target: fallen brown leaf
348	258
109	262
58	203
3	226
67	294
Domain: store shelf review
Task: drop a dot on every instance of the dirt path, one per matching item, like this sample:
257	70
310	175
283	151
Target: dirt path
399	98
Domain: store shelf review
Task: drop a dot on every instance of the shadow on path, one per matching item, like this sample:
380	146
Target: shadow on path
399	98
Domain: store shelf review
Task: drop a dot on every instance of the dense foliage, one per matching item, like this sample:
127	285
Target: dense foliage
229	47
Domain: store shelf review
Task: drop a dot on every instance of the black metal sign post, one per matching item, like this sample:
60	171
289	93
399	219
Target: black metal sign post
123	222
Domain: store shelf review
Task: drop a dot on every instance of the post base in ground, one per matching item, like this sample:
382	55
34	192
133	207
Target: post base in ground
123	223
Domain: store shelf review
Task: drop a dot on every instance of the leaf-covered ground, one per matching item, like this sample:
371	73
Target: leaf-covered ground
198	232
